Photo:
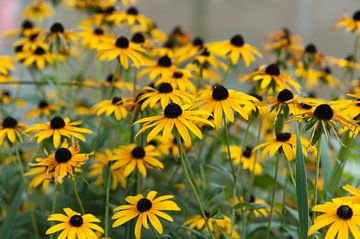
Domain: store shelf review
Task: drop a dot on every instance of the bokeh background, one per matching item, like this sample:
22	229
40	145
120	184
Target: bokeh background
220	19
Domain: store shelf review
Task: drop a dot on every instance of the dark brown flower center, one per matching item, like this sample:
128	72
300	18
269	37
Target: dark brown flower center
198	42
205	52
177	75
237	40
138	152
220	93
9	123
43	104
143	205
62	155
327	70
350	58
259	97
285	95
18	48
57	123
33	37
247	152
165	88
283	137
305	106
172	110
116	100
356	16
344	212
324	112
76	221
164	61
27	24
39	51
252	198
311	48
110	78
122	42
57	27
132	11
98	31
273	69
138	38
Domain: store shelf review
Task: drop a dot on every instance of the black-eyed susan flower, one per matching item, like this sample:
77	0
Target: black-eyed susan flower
190	50
180	79
116	106
43	109
284	143
92	37
322	120
122	49
347	63
342	216
114	80
38	10
27	27
140	38
284	104
132	156
258	212
162	67
6	65
63	161
283	40
131	17
11	129
59	36
145	209
163	94
182	119
101	160
350	24
235	49
219	100
246	157
56	128
269	79
42	177
74	225
38	57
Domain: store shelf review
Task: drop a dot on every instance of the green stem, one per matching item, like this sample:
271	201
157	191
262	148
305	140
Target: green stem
255	160
77	195
107	201
154	232
318	159
227	73
183	158
273	196
53	207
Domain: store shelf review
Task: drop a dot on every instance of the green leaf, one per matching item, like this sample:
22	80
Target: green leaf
301	188
317	135
218	214
10	220
326	160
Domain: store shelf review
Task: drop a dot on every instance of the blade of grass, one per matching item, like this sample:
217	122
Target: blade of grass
301	188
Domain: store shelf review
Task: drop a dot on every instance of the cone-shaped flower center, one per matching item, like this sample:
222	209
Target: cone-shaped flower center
205	52
57	27
138	38
285	95
356	16
98	31
198	42
57	123
164	61
172	111
344	212
62	155
132	11
305	106
116	100
39	51
247	152
273	69
76	221
178	75
220	92
324	112
252	198
165	88
237	40
143	205
27	24
43	104
311	48
138	152
122	42
9	122
283	137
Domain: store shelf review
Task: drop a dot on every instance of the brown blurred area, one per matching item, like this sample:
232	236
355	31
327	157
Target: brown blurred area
220	19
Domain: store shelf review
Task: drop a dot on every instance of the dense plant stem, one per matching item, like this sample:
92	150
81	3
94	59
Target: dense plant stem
77	195
273	196
107	201
183	159
53	206
317	170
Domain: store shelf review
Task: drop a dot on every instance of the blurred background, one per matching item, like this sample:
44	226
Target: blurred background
220	19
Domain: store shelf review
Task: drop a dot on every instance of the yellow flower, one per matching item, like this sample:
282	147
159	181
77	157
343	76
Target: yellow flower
246	158
162	67
235	49
63	161
91	38
122	49
132	156
180	79
350	24
42	177
43	109
219	100
149	208
6	65
11	130
131	17
261	212
174	116
74	225
343	216
59	36
58	127
283	39
39	57
37	10
116	106
349	62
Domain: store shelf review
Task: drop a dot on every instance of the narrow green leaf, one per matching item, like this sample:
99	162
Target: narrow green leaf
10	220
301	188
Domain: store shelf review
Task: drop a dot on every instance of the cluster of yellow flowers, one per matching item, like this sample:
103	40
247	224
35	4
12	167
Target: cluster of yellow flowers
157	107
